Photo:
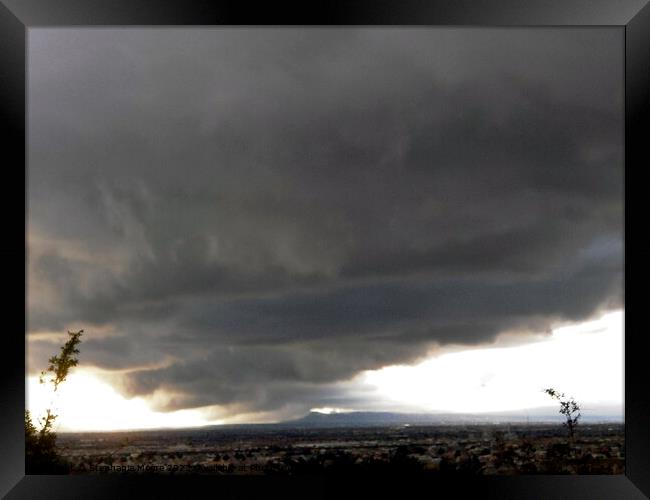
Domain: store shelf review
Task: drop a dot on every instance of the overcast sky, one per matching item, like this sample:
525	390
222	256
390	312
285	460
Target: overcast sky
243	219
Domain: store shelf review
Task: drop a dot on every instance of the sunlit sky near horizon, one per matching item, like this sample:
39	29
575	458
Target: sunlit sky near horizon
583	360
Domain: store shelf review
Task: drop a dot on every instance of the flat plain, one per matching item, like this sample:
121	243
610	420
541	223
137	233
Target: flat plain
486	449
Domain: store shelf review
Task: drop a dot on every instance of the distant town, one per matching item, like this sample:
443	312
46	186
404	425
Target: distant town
477	449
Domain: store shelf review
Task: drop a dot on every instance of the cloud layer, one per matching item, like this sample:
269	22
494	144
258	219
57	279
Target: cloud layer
251	216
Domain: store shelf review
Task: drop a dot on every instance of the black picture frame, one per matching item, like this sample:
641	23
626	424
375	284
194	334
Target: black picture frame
17	16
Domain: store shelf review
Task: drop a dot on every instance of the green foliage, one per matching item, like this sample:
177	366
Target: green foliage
568	407
60	365
41	455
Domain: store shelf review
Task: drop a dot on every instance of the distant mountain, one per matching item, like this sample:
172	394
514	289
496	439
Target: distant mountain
316	420
363	418
370	418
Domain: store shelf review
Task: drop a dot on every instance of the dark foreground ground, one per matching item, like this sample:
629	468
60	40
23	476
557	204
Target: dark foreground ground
467	449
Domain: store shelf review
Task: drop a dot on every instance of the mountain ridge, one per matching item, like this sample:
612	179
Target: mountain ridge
362	418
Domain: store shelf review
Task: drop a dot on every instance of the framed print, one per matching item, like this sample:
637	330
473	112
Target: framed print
269	249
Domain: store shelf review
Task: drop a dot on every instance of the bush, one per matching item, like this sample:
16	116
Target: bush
41	454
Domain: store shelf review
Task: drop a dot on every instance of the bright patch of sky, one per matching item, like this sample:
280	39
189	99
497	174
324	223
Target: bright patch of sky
583	360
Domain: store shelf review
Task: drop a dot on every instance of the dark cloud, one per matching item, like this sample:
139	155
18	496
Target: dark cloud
261	214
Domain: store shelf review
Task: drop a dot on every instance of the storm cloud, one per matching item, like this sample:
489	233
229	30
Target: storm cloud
251	216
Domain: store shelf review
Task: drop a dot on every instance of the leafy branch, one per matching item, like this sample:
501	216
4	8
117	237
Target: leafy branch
41	456
60	365
568	407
